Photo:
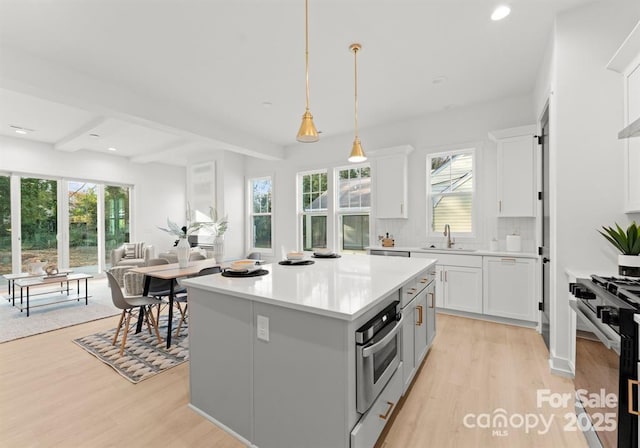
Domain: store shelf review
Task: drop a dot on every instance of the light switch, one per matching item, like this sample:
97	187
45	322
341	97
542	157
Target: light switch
263	328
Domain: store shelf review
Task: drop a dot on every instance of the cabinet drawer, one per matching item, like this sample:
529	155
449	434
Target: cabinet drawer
416	285
368	429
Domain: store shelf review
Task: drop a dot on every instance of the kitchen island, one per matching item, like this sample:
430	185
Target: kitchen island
273	358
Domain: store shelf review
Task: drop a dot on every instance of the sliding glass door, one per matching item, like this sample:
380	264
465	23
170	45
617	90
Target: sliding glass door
5	225
116	218
39	219
83	226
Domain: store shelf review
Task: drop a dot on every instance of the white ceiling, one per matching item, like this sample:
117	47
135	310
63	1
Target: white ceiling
171	80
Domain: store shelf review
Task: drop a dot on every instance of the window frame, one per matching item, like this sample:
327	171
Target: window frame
250	213
340	212
437	236
301	213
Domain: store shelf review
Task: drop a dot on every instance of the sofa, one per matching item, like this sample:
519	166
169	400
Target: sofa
132	254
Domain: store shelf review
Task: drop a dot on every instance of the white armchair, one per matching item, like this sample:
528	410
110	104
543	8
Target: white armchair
132	254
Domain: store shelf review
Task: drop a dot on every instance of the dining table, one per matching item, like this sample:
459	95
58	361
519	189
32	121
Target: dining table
173	272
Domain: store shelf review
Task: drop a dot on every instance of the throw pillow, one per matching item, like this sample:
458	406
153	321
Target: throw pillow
134	250
129	250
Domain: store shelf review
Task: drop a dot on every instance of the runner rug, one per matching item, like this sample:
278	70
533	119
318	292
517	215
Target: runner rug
143	357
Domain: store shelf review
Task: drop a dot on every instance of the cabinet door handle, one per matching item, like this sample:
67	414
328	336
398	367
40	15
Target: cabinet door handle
433	300
401	208
440	275
424	280
508	260
500	206
386	414
630	397
445	276
419	323
411	291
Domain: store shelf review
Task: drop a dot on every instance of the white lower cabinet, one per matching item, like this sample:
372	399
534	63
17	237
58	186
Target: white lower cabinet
461	288
431	314
509	288
366	432
414	337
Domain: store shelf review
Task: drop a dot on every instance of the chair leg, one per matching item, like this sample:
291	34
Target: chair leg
115	338
155	324
183	317
126	332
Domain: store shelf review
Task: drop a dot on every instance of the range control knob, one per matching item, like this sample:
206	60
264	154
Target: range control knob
610	316
581	292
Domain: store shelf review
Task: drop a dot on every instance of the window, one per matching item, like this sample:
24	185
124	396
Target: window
450	192
116	218
353	199
313	186
261	231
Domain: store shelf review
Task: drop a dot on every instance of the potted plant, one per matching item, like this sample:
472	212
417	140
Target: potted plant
628	243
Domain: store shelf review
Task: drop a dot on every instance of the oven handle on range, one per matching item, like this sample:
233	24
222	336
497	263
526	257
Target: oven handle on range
610	344
372	349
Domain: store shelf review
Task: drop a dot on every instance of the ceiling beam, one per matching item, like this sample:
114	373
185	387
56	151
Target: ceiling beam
66	143
36	77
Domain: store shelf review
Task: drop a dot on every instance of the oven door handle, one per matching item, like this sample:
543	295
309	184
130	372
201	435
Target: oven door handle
609	343
374	348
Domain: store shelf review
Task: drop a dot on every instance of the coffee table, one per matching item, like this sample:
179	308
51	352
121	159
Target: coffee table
60	294
11	279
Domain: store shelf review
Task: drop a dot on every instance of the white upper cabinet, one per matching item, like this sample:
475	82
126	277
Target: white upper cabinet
516	175
627	62
389	168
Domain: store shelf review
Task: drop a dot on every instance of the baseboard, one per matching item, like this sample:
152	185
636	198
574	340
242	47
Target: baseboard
561	366
485	317
225	428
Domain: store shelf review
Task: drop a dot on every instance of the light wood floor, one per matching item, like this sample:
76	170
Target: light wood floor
54	394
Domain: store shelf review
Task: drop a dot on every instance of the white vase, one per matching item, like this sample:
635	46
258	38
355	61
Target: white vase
182	251
218	248
629	265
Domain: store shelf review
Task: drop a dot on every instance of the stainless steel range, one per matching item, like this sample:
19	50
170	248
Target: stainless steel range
608	308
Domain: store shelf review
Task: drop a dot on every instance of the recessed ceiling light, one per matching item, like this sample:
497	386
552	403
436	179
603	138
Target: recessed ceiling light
500	12
94	135
112	149
20	129
267	104
438	80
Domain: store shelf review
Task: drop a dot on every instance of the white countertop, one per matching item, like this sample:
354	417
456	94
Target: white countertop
455	251
344	288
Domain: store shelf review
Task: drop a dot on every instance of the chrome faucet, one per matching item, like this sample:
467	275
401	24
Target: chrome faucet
447	233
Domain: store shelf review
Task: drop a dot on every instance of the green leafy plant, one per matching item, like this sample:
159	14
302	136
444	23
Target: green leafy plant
628	243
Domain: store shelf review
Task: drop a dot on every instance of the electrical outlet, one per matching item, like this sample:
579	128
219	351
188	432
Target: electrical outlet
263	328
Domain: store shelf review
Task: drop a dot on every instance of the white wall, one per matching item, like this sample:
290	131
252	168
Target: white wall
427	134
158	190
586	112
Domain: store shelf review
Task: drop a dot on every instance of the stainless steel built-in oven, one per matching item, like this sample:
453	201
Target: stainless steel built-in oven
377	354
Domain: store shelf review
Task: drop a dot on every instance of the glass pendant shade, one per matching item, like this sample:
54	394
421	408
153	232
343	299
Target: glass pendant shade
357	154
308	132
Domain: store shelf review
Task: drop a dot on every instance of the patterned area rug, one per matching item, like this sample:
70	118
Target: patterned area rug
143	357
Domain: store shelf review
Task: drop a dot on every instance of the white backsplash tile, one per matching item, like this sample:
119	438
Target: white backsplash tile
407	233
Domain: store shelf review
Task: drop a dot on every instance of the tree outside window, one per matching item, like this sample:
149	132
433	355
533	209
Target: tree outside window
261	207
314	209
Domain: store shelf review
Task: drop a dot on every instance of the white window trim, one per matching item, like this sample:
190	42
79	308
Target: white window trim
250	215
320	212
339	212
435	237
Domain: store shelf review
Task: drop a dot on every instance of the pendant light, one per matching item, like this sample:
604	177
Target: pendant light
357	154
308	132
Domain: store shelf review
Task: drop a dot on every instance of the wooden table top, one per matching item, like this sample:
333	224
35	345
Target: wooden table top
171	270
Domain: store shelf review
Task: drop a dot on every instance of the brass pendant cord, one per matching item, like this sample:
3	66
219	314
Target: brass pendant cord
306	46
355	65
307	132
